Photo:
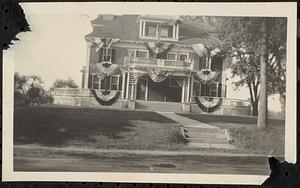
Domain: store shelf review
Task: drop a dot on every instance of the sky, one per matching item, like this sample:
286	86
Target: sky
55	48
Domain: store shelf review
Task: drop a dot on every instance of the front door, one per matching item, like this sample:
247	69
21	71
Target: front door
142	89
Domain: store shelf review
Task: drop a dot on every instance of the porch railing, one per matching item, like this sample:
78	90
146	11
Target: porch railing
163	63
232	102
75	92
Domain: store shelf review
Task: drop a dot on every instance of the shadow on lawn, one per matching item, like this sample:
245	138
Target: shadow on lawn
55	126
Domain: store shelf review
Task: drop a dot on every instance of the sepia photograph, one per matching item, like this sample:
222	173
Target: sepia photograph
150	93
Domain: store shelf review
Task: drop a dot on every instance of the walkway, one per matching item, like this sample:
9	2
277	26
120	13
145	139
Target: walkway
199	134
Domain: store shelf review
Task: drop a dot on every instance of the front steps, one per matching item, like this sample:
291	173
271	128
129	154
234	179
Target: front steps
158	106
207	138
199	134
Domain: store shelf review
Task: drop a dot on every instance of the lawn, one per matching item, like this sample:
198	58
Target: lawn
245	134
95	128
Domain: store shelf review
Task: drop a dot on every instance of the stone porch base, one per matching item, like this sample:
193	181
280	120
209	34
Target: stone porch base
89	101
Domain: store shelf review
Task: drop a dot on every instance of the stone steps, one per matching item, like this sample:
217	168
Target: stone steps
205	130
199	134
204	135
158	106
208	140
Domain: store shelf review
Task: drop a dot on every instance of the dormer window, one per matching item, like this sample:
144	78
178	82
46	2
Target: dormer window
158	29
151	30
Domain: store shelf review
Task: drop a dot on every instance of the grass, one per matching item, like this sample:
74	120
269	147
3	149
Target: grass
245	134
95	128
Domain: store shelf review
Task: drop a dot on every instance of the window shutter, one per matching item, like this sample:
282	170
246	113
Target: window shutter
113	52
100	55
90	81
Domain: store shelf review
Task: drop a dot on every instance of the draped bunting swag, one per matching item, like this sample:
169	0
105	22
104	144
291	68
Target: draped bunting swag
208	105
105	98
106	69
158	48
133	78
158	74
206	52
206	76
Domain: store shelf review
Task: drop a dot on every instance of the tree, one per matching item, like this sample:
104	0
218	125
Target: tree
242	43
60	83
262	120
29	90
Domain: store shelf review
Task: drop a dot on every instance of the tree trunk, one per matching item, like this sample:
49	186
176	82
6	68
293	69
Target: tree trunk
255	108
262	120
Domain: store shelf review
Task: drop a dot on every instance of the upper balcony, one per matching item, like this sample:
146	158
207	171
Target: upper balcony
158	63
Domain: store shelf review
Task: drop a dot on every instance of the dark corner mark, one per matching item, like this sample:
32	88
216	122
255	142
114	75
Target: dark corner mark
283	174
12	22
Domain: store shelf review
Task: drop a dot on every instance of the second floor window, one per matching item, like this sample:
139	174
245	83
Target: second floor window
171	56
141	53
183	57
106	54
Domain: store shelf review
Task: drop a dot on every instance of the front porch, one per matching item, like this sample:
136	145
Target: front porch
84	98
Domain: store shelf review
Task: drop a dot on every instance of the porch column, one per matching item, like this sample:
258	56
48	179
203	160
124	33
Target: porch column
223	81
192	88
127	86
183	90
123	85
132	92
188	88
87	67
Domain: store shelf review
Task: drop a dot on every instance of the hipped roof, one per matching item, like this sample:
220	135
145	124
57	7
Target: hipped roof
125	28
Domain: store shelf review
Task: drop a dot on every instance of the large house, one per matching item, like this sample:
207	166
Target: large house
153	63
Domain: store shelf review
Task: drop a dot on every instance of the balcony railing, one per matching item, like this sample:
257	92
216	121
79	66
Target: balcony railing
162	63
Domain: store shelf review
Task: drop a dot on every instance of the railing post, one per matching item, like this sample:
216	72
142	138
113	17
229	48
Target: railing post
192	88
86	74
127	86
123	85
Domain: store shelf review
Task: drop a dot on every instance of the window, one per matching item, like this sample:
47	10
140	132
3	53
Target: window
95	82
171	56
105	83
141	53
151	29
212	90
131	53
106	54
183	57
166	32
202	63
114	82
156	29
197	88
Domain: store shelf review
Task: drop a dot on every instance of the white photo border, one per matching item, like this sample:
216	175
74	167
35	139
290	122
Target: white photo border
275	9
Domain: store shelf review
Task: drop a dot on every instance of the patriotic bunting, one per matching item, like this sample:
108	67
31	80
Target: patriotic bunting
206	75
158	74
107	69
158	48
208	104
106	98
133	78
